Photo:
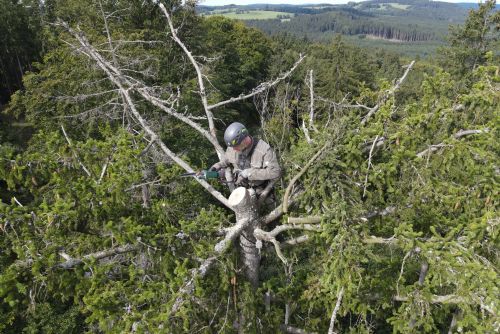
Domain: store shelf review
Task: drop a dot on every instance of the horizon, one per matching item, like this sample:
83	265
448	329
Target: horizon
296	2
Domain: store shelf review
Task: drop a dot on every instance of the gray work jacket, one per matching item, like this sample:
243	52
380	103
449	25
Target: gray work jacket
259	158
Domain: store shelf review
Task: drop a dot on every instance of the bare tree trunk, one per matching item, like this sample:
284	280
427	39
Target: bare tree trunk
244	203
251	256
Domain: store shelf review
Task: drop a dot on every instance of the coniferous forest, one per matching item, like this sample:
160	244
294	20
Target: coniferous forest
386	218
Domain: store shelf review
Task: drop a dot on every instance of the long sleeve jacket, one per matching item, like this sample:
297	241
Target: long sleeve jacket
259	159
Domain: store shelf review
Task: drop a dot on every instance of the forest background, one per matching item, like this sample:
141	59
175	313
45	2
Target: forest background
414	28
387	217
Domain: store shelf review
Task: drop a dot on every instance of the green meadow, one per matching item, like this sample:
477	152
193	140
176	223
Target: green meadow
251	14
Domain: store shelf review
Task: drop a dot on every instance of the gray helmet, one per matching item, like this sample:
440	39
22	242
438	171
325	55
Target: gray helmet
235	133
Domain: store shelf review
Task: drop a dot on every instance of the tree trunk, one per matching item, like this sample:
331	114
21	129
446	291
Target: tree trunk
244	202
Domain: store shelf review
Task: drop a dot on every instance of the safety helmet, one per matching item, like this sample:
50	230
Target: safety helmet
234	134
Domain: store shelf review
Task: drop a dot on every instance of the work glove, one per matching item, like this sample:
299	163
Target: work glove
245	173
242	177
215	167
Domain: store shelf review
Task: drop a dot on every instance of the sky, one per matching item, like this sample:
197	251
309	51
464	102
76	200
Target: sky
292	2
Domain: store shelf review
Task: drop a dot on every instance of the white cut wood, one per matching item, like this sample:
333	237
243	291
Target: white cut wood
239	198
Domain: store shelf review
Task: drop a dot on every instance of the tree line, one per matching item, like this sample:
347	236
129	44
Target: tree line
315	26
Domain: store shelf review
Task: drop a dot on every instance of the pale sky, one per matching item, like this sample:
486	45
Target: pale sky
291	2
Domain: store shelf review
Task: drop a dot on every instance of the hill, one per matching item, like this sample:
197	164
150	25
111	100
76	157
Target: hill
408	26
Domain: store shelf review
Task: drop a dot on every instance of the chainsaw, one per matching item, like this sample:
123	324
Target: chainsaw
208	175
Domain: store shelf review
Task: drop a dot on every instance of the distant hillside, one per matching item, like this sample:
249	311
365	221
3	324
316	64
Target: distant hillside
398	21
472	5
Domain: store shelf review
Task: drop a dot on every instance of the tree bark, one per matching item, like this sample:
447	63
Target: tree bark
244	203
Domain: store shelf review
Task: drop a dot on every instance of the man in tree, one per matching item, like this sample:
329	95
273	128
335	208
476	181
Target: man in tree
253	161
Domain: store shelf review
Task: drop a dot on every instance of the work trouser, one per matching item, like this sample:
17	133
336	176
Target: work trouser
268	203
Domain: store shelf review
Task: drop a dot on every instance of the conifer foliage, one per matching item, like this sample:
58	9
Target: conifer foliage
387	212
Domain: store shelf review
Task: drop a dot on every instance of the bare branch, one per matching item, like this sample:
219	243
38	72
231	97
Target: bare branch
273	215
311	97
296	241
18	203
143	184
231	235
387	94
103	171
115	76
83	97
201	271
271	236
304	220
379	240
186	119
401	271
458	135
379	142
261	88
317	219
277	248
72	262
306	132
369	165
335	310
108	34
463	133
453	323
146	149
267	236
448	299
296	177
188	287
90	51
201	84
278	212
74	152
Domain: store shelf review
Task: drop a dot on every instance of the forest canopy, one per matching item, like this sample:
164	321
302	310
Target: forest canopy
385	217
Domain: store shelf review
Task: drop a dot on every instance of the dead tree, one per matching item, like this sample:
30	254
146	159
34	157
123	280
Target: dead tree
242	202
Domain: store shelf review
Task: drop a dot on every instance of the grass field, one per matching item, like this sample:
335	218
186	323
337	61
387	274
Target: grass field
398	5
250	14
387	6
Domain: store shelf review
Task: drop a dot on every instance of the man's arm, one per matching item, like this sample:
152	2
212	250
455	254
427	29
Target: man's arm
224	163
270	167
219	165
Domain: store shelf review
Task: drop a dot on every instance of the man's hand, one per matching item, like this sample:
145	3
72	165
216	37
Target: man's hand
245	173
242	177
215	167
